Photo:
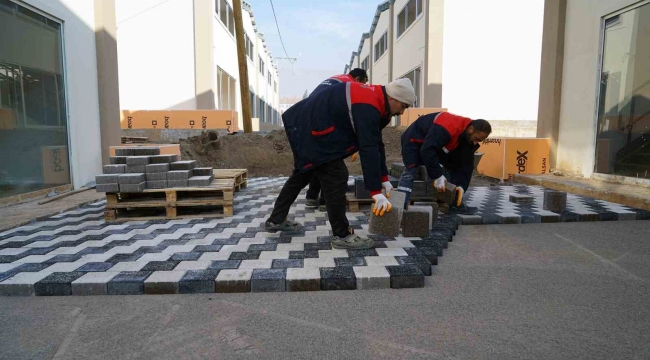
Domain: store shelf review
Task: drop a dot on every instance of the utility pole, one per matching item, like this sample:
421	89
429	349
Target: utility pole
243	67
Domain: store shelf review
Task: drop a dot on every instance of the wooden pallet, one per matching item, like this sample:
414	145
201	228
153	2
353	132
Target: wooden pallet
215	200
354	203
240	176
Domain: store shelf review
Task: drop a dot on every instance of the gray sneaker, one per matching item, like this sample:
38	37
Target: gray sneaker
352	241
286	225
311	203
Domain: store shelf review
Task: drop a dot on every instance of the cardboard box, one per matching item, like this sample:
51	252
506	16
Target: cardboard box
141	119
180	119
56	168
412	114
505	157
6	119
165	149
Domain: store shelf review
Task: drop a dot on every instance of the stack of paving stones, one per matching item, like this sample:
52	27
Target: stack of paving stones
135	169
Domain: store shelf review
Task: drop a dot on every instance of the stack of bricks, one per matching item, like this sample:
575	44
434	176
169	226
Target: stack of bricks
136	169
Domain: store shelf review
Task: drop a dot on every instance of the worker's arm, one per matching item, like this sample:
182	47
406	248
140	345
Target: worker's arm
366	123
464	157
382	159
434	142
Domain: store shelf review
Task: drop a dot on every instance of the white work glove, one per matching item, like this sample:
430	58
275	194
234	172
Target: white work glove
381	205
459	195
386	185
440	184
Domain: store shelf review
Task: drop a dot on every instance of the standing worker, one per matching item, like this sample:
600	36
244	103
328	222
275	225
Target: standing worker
326	128
314	196
445	144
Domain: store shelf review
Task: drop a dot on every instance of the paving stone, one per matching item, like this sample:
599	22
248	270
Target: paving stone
197	181
156	168
137	161
419	189
117	160
161	184
93	283
108	188
193	265
183	165
420	261
509	218
124	151
350	261
626	216
177	183
318	262
555	201
114	169
398	167
387	225
245	255
156	176
372	277
397	199
268	280
134	179
163	159
286	263
198	281
415	224
160	266
429	253
521	199
57	284
203	171
224	264
163	282
179	174
95	267
405	276
207	248
360	191
233	281
256	264
133	187
443	208
587	216
434	209
135	169
107	179
550	218
449	195
128	283
303	279
146	150
381	260
471	219
338	278
362	253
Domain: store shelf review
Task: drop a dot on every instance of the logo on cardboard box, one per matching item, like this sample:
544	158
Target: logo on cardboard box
522	159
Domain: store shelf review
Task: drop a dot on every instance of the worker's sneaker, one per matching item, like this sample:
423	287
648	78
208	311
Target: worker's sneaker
311	203
286	225
352	241
322	208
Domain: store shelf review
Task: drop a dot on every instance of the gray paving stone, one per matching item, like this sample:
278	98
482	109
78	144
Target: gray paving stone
372	277
160	265
136	169
224	264
198	281
420	189
448	196
338	278
268	280
387	225
156	176
115	160
434	208
137	161
132	179
554	201
107	179
420	261
163	282
203	171
108	188
509	218
415	223
429	253
95	267
124	151
163	159
287	263
397	199
128	283
177	183
183	165
196	181
233	281
350	261
521	199
405	276
471	219
133	187
93	283
303	279
146	150
57	284
179	174
360	191
156	168
162	184
114	169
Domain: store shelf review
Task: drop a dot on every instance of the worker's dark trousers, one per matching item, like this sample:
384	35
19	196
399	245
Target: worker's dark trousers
314	191
333	177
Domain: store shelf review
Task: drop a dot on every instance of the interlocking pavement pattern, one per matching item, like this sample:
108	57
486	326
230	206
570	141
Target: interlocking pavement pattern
77	253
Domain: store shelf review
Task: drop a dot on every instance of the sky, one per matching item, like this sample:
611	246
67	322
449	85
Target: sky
321	34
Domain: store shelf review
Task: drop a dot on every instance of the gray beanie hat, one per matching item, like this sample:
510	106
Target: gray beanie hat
401	90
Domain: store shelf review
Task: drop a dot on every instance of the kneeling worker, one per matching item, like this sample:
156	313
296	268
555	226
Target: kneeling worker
445	144
326	128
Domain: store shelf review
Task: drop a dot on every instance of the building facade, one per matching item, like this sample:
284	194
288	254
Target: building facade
182	55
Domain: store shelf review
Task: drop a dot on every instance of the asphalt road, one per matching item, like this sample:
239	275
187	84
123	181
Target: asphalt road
544	291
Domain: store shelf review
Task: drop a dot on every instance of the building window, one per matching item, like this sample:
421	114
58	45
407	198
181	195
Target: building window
365	63
226	91
269	78
249	47
275	86
261	65
623	141
408	15
226	15
33	114
262	110
415	78
381	46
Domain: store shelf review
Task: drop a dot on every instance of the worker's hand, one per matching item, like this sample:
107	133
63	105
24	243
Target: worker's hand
459	195
381	205
386	185
440	184
354	156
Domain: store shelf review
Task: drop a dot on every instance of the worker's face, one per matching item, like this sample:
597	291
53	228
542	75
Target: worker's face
361	80
396	107
476	137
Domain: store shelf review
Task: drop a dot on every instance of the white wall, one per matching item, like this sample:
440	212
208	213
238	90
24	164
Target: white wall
365	51
491	58
577	134
80	66
408	48
380	66
155	54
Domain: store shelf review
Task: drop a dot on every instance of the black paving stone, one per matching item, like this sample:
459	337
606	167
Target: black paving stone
362	253
287	263
124	258
338	278
248	255
95	267
160	266
224	264
350	261
198	281
318	246
312	254
263	247
57	284
420	261
186	256
128	283
405	276
268	280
